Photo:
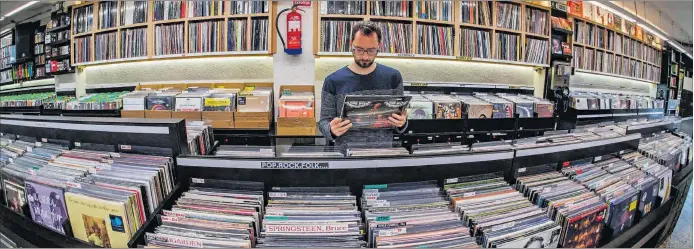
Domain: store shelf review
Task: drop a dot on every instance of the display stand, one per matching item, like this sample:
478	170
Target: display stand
164	137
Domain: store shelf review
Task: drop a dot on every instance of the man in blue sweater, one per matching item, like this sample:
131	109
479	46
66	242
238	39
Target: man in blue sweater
362	77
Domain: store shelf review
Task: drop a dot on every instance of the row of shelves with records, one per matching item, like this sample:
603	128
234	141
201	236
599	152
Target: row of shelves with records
519	16
98	16
439	42
608	41
221	36
590	60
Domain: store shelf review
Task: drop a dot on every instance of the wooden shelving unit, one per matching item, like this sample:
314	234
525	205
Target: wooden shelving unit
637	45
150	25
456	23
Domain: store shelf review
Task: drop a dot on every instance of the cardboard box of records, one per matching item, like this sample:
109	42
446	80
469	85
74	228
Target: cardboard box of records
254	106
296	115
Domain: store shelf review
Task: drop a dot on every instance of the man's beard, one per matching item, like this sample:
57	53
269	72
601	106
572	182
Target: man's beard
363	63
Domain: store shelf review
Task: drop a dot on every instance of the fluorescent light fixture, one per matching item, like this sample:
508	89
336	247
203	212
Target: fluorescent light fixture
613	11
5	31
678	47
20	8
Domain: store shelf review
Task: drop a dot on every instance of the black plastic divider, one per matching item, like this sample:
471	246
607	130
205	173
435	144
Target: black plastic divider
91	113
352	172
647	129
643	231
36	234
16	239
130	135
162	133
32	110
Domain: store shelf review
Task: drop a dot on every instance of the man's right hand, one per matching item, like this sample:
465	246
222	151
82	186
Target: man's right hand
339	127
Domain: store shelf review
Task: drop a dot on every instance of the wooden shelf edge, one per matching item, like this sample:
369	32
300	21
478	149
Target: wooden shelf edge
435	57
176	56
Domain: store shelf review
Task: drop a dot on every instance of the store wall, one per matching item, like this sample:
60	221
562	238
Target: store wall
251	68
607	84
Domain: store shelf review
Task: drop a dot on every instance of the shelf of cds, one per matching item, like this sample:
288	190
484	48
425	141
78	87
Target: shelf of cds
514	32
117	31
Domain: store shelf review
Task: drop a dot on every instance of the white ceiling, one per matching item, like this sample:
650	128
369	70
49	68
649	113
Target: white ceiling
681	13
7	6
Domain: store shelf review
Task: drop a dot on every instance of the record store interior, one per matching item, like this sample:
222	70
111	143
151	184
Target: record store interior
361	123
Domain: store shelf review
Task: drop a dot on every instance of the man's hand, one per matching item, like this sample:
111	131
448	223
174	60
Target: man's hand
339	127
398	120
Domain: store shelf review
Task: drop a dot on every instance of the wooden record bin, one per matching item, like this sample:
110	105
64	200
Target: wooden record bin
223	17
296	126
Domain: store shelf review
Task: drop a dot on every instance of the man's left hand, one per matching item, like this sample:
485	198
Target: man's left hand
398	120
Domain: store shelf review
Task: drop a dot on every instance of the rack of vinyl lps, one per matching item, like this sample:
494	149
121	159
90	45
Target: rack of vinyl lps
94	147
511	32
116	31
455	173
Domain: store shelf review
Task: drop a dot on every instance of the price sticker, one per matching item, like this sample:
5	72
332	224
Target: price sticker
598	158
78	144
382	204
470	194
383	218
274	214
38	144
452	180
29	149
92	170
44	140
125	147
277	194
392	232
197	180
521	170
114	154
74	185
169	219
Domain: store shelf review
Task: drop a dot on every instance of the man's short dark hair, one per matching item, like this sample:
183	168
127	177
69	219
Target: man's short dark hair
366	28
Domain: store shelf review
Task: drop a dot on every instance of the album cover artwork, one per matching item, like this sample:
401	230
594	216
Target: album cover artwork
584	231
556	46
649	194
544	110
448	110
372	111
160	103
525	109
420	110
545	239
478	110
47	205
14	196
502	110
622	213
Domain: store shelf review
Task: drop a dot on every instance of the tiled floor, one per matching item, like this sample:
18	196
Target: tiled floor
681	237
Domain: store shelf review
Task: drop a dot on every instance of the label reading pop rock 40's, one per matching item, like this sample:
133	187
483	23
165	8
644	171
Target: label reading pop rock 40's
294	165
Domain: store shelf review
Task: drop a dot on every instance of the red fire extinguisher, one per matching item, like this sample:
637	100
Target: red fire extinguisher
293	44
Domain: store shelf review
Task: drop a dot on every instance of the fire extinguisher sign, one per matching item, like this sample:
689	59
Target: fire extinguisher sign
303	3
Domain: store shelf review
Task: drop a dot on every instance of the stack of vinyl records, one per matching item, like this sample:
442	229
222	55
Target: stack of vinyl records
576	209
666	149
212	213
412	214
499	216
245	151
106	197
311	217
312	151
199	134
661	173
